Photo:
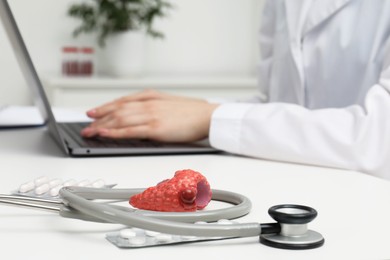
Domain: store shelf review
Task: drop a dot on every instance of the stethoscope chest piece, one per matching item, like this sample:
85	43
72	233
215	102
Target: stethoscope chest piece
294	234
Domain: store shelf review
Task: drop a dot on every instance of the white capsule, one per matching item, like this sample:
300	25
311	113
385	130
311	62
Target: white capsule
70	182
139	231
225	222
25	187
55	191
84	183
164	238
188	237
127	233
54	183
137	241
200	223
151	233
98	183
41	180
42	189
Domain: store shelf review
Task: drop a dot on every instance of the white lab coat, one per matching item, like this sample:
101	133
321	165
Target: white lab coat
325	70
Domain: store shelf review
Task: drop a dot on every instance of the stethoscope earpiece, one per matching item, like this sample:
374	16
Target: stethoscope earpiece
294	234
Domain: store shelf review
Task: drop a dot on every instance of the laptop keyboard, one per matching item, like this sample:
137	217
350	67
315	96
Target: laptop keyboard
74	129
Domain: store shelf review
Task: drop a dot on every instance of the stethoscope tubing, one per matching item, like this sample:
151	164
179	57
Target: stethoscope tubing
79	199
241	204
289	232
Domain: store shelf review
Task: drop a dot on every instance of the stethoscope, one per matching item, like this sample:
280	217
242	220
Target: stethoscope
289	232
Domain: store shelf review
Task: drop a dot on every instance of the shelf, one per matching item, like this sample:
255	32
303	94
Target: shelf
87	92
152	82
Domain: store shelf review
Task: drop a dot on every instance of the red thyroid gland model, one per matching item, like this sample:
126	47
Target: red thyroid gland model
188	190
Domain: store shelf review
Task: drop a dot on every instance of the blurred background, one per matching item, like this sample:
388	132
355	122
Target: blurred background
208	43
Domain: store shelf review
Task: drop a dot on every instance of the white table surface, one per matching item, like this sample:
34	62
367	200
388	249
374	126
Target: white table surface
354	208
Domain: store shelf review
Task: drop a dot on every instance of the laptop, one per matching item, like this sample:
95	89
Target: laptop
67	135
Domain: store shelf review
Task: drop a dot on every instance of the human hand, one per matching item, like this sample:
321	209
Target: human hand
152	115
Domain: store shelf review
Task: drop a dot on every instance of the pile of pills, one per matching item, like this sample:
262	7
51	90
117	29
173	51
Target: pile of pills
138	238
47	187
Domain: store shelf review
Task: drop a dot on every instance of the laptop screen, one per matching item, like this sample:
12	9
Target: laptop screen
28	69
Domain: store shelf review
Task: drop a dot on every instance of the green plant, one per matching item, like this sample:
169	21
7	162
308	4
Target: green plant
108	17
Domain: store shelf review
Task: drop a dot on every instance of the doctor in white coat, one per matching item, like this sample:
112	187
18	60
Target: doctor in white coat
324	79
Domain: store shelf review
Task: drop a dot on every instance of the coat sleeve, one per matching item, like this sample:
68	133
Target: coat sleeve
355	137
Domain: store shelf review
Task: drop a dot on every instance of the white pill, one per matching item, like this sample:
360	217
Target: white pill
151	233
55	191
42	189
200	222
137	241
41	180
139	231
164	238
127	233
84	183
224	222
54	182
70	182
25	187
98	183
188	237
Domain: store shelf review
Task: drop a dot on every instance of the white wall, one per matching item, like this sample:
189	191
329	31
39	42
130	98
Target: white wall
203	38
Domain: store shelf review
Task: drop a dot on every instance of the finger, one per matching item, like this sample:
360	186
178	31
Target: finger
144	95
101	122
101	111
106	108
117	109
89	132
138	132
123	121
123	115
